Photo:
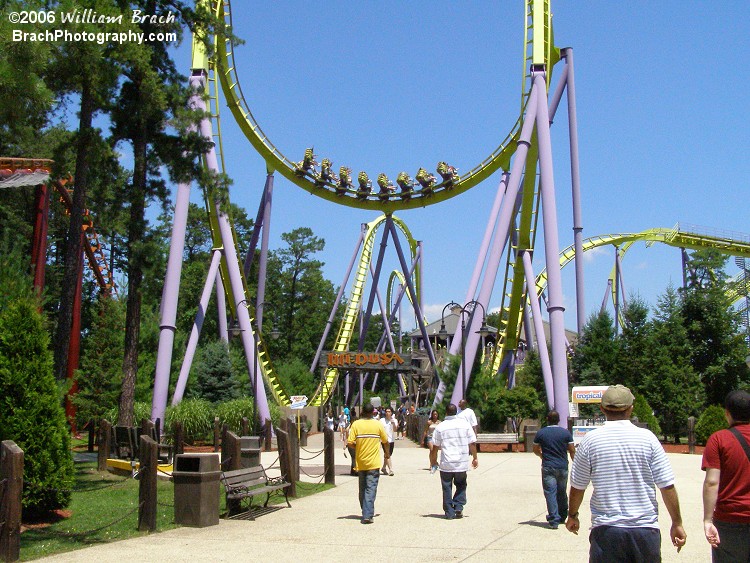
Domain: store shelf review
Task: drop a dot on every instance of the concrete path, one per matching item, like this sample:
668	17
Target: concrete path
504	521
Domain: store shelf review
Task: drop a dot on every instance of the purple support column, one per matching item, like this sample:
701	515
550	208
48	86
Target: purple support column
412	292
339	295
536	315
371	301
383	311
235	283
576	189
187	361
454	344
172	277
555	308
268	197
501	234
221	305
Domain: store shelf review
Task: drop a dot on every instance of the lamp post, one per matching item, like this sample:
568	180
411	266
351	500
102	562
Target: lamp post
483	332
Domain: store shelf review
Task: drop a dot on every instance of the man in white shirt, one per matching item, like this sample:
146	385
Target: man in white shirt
467	414
390	425
456	440
625	464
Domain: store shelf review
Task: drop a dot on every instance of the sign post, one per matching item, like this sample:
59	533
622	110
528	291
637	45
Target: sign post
299	402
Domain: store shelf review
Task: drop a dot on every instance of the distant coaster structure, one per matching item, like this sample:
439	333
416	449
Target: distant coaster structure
526	187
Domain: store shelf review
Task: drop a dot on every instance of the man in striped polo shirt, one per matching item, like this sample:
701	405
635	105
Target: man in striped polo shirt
625	464
365	436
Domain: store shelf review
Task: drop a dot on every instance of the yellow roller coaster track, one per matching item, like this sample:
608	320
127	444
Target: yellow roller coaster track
539	53
538	50
348	324
676	236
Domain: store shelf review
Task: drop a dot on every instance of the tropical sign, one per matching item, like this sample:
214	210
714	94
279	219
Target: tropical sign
588	394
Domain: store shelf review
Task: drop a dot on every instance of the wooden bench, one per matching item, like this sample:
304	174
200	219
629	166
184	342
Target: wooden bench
244	484
488	438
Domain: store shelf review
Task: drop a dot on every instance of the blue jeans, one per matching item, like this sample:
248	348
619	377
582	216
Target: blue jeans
453	503
554	482
734	542
610	544
368	488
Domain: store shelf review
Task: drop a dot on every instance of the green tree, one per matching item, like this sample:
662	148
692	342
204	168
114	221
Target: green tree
517	403
101	364
670	383
213	379
25	98
643	412
634	345
30	410
713	327
150	114
596	352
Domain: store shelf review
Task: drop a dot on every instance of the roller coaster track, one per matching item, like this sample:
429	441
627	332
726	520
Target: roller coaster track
92	245
20	172
676	236
538	36
539	52
349	322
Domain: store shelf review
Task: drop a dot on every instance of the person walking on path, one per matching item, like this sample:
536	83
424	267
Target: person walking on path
429	430
726	487
365	437
465	412
624	463
390	426
553	444
455	440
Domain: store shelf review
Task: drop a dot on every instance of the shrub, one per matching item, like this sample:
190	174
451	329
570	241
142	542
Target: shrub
141	410
643	411
213	379
231	413
196	416
711	420
31	413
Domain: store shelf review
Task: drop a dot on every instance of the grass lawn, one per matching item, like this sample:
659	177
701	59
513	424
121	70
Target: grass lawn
104	509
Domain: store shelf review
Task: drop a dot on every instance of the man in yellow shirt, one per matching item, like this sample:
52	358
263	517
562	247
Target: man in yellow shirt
366	435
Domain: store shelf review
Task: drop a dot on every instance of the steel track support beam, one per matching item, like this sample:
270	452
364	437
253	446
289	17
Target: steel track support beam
170	293
500	237
555	308
195	332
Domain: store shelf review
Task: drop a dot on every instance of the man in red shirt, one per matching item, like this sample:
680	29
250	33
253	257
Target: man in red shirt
726	488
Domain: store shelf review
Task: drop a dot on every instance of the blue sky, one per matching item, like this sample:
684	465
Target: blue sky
391	86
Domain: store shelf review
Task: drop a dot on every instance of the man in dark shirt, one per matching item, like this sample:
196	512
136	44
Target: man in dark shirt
553	444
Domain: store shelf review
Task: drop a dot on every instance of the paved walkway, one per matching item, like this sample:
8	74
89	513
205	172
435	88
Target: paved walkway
504	521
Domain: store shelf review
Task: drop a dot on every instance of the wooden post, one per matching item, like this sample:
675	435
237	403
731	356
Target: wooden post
328	456
148	428
691	434
217	433
149	452
268	436
293	448
179	438
231	454
245	426
11	475
105	445
285	460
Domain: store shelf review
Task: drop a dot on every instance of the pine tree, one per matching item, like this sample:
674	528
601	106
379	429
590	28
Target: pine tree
101	364
30	409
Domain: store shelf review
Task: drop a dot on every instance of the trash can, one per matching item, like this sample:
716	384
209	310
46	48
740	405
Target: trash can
249	451
529	433
196	489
